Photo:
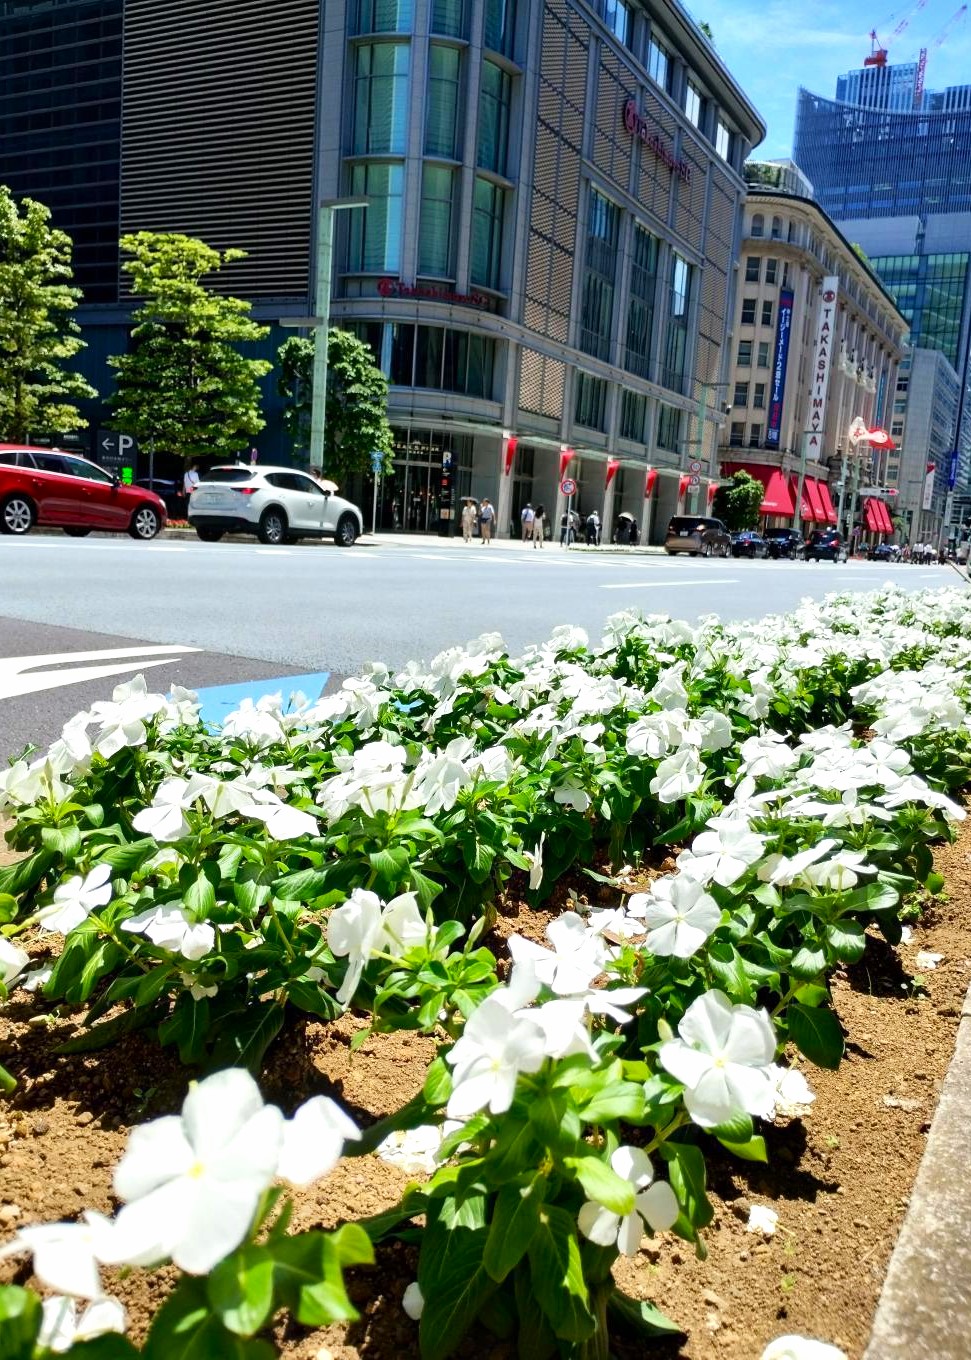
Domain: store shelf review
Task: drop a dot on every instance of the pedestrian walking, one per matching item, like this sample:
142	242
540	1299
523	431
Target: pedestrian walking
487	517
190	480
468	519
566	529
528	521
539	526
593	529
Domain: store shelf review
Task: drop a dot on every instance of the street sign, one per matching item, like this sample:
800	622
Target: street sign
115	450
568	486
377	461
694	466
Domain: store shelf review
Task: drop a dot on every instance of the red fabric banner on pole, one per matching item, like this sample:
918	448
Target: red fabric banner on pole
649	483
683	484
511	445
612	465
566	457
712	489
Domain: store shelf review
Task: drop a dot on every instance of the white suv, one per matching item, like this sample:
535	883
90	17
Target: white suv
277	504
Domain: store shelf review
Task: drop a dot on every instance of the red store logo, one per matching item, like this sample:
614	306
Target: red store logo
639	126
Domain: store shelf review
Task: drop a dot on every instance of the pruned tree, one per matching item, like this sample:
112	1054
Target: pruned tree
184	383
38	333
738	503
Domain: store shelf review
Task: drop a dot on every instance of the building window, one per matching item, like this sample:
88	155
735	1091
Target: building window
597	304
495	93
736	437
744	359
758	400
488	209
658	62
402	355
693	102
777	228
748	311
383	16
448	16
633	414
771	270
740	397
435	227
381	99
442	106
500	26
619	19
763	354
767	313
785	273
758	225
374	239
444	360
591	404
723	140
897	429
753	268
640	310
676	343
755	436
669	428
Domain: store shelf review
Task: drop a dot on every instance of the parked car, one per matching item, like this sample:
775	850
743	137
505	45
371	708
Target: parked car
698	535
49	487
824	545
747	543
784	543
277	504
884	552
170	492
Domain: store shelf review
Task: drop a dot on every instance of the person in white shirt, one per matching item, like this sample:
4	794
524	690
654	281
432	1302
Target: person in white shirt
191	479
527	517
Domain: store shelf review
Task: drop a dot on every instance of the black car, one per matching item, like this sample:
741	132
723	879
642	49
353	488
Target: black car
171	493
824	545
783	543
883	552
747	543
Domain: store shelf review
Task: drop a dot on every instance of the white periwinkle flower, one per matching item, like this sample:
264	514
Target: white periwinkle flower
762	1219
793	1094
314	1139
722	1057
722	853
679	916
575	960
783	870
13	961
654	1204
61	1327
164	819
413	1301
677	776
75	900
361	927
801	1348
123	719
66	1255
494	1048
172	927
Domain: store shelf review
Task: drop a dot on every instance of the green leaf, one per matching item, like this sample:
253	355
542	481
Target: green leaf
438	1083
535	1340
20	1319
601	1182
686	1172
187	1027
8	1083
304	886
241	1289
62	840
186	1328
108	1032
847	940
751	1151
126	858
639	1318
454	1284
23	874
557	1276
308	1271
807	963
110	1346
514	1221
391	863
200	896
617	1100
816	1033
728	970
244	1043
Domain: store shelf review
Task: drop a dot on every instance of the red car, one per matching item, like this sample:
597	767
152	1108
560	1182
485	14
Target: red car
45	486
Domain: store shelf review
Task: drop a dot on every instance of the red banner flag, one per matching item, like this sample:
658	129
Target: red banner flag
683	483
612	465
511	445
649	483
712	489
566	457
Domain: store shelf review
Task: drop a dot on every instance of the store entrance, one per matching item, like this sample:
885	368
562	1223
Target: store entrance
432	471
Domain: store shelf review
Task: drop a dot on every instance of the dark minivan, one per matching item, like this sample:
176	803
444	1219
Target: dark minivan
824	545
698	535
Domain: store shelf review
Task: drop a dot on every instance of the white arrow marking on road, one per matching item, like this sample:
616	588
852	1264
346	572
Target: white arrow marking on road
664	585
13	681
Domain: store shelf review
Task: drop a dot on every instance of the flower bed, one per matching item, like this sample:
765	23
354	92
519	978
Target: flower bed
211	890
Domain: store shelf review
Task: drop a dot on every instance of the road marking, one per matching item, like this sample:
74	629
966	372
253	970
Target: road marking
273	552
14	681
664	585
219	700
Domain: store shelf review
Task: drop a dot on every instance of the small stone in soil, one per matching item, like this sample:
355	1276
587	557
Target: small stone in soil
10	1213
40	1127
714	1300
85	1118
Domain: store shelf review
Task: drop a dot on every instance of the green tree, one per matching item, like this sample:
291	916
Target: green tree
38	333
738	502
184	383
356	414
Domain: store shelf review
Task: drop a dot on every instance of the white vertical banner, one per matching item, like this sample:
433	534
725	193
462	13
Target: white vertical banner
821	364
929	486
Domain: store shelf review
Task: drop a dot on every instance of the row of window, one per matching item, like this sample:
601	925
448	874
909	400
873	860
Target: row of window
450	18
746	394
753	270
743	358
749	308
431	356
590	411
737	439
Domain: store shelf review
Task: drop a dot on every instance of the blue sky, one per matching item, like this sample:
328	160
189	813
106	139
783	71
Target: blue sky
774	46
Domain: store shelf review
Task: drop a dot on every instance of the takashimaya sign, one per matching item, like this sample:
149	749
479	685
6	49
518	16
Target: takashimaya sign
822	356
639	126
432	292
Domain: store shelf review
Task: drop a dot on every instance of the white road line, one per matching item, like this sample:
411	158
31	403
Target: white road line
13	665
664	585
271	552
37	681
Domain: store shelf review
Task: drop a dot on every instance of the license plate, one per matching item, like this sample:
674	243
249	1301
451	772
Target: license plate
211	498
684	533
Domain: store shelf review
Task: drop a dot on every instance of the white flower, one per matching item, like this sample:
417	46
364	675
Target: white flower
656	734
23	784
283	822
573	963
66	1255
793	1094
723	852
76	899
494	1048
570	795
361	927
313	1140
783	870
60	1325
37	978
403	926
767	756
721	1057
838	873
656	1205
123	719
677	776
413	1150
762	1219
679	916
164	819
801	1348
413	1301
535	858
196	989
254	724
71	753
193	1182
172	927
13	961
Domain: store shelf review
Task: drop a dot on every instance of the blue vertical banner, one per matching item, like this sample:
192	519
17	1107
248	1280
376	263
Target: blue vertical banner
952	472
779	365
879	417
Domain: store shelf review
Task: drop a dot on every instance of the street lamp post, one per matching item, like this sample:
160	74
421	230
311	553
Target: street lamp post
702	415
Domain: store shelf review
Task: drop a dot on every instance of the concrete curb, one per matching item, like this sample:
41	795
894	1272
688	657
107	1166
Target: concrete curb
924	1312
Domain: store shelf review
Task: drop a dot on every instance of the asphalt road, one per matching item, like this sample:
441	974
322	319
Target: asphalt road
254	612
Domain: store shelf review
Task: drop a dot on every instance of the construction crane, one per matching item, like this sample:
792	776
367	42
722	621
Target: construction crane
878	50
945	31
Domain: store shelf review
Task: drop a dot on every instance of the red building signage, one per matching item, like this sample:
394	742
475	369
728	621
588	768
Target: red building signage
394	288
639	126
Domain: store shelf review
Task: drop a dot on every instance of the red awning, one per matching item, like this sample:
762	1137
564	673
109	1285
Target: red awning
816	501
777	499
827	500
885	516
871	516
806	510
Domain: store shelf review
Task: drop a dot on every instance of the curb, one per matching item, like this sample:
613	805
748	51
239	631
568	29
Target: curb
924	1310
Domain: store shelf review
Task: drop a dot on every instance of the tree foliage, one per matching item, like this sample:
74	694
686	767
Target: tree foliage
184	383
356	415
738	502
38	333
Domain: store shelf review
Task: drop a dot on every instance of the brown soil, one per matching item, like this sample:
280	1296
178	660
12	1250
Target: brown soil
839	1182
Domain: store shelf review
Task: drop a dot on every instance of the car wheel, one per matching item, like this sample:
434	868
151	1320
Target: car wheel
145	523
17	515
209	535
273	527
346	534
727	552
706	551
76	531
